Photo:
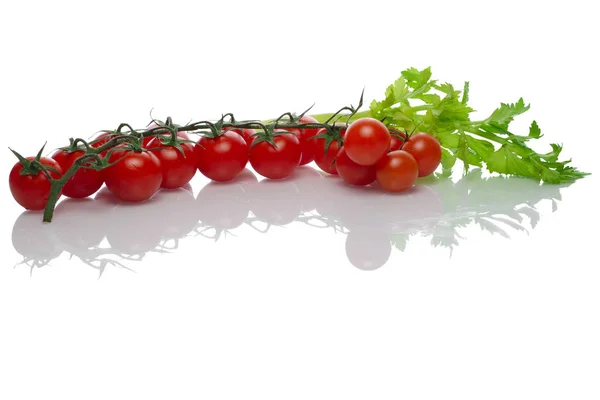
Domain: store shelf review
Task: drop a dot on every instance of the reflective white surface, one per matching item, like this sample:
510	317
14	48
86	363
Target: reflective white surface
308	207
471	288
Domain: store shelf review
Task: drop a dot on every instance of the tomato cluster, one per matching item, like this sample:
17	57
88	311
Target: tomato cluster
362	153
370	153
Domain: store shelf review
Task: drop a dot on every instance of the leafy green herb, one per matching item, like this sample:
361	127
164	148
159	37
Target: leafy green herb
415	101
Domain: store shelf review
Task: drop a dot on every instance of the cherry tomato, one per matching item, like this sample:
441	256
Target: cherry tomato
278	161
397	171
221	158
326	159
305	135
395	141
366	141
177	168
136	176
351	172
85	182
426	150
246	133
32	191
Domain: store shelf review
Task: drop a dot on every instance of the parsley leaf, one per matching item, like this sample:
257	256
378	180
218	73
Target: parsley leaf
415	100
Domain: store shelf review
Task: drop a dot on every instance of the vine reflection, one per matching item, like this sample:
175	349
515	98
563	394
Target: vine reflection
104	232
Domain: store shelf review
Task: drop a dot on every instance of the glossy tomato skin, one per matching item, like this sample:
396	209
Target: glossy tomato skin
246	133
177	168
221	158
279	161
305	135
397	171
351	172
85	182
366	141
426	150
326	159
32	191
136	176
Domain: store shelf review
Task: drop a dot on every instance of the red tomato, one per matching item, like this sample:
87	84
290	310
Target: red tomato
366	141
177	168
85	182
136	176
351	172
305	135
221	158
279	161
397	171
32	191
246	133
325	159
426	150
395	141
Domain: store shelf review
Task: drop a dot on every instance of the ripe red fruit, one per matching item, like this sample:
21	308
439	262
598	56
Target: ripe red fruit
366	141
426	150
397	171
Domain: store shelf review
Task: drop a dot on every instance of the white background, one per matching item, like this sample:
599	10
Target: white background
286	314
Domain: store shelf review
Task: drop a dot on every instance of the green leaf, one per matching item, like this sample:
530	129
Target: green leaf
535	131
415	78
506	162
448	159
444	112
400	90
467	155
448	139
505	114
483	148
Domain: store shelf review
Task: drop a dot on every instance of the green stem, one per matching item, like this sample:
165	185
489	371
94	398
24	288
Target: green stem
326	116
56	186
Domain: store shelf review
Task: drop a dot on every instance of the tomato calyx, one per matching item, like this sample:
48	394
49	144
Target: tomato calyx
333	133
268	133
33	167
